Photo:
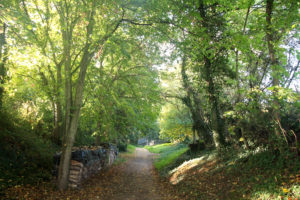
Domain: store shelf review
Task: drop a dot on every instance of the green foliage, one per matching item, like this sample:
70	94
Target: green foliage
122	147
236	82
131	148
168	153
251	117
175	122
25	157
159	148
273	174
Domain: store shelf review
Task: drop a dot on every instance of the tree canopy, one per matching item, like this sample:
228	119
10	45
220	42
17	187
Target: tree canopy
85	72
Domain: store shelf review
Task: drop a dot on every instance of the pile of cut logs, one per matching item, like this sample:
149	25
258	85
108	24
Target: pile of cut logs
86	161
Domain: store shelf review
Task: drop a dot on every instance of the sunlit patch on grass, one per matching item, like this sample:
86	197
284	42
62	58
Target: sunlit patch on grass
168	157
168	153
285	193
160	147
205	163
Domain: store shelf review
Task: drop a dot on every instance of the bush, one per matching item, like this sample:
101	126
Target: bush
25	157
122	147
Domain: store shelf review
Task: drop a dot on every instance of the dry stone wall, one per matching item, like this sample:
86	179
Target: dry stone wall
87	161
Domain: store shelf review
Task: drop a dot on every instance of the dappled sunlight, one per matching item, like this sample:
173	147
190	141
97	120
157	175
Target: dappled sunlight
285	193
179	173
209	87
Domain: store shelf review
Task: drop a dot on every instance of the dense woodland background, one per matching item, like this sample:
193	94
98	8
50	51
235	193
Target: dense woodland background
222	74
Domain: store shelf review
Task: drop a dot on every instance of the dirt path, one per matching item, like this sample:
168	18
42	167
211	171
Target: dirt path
132	180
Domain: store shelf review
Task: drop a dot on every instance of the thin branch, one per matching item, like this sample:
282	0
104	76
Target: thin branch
293	75
136	23
26	76
73	63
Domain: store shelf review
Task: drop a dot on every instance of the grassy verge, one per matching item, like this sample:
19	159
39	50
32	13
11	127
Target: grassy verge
130	149
260	174
267	176
168	153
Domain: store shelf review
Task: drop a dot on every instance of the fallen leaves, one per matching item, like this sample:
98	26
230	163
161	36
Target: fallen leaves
137	179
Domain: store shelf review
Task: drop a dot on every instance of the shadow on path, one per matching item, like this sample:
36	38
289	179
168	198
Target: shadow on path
133	180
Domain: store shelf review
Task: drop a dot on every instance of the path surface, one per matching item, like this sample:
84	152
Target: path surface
132	180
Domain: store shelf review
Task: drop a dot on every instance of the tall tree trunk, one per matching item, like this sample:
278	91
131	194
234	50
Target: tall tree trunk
216	120
194	104
237	76
217	123
69	129
270	33
58	131
72	129
73	107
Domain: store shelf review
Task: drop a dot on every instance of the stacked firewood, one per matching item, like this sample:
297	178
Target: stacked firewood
87	161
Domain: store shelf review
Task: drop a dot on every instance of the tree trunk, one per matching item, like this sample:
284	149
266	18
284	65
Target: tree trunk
216	120
194	136
58	131
71	133
237	76
69	128
73	107
194	104
73	121
217	123
270	33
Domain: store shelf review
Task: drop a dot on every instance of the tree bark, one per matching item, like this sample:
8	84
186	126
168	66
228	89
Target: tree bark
270	33
210	65
72	129
69	131
194	104
73	107
58	131
216	120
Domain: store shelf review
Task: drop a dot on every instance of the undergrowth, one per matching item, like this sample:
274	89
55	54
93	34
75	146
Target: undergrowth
245	174
25	157
271	175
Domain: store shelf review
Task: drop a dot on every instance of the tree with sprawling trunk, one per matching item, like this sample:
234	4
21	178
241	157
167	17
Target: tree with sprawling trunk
68	34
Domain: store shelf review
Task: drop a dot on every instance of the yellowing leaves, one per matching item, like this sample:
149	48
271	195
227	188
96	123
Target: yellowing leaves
285	190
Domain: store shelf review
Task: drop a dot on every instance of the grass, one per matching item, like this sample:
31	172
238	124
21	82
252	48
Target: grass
168	153
270	176
229	174
130	148
259	174
159	148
